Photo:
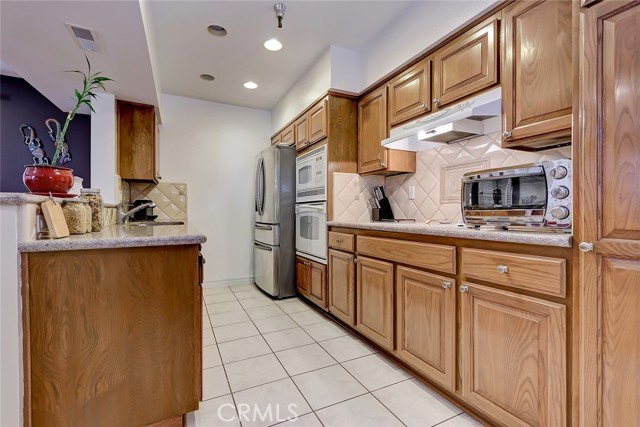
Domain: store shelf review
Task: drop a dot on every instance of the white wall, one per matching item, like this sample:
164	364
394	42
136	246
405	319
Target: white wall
104	161
211	147
346	70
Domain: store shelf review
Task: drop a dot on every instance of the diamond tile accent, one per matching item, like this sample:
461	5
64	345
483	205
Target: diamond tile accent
170	198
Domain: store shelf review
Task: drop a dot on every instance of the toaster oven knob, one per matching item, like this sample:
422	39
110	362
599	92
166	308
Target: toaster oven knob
560	192
559	212
558	172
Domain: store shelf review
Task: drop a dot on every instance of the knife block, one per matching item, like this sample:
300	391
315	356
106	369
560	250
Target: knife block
382	213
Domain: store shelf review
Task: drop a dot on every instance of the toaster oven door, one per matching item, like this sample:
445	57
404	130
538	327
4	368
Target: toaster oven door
510	193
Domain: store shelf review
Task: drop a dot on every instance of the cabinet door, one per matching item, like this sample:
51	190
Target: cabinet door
301	133
410	93
372	128
318	284
374	300
137	149
513	350
537	74
467	65
288	135
426	324
276	139
318	122
302	276
342	286
609	274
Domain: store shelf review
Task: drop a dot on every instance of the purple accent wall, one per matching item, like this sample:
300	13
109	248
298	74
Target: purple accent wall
21	104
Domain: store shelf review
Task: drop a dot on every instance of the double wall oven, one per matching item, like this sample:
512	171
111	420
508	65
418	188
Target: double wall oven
311	205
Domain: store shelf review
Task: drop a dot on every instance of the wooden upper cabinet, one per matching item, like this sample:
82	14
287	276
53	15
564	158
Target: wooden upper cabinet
410	93
301	125
374	300
513	351
467	65
276	139
342	286
373	158
318	122
537	75
426	324
288	135
137	142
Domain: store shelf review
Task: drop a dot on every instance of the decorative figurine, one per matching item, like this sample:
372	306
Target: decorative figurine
35	145
65	155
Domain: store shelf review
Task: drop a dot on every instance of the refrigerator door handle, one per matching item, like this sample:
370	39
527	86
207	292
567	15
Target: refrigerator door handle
264	227
256	198
263	247
262	186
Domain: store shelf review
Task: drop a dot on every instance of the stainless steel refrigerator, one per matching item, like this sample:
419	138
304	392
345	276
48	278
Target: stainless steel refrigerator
274	247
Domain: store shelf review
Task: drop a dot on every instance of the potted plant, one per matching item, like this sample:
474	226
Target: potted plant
49	178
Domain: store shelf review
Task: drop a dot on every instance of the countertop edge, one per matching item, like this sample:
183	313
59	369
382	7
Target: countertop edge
108	243
523	237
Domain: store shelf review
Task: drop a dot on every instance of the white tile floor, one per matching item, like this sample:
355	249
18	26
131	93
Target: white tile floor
267	361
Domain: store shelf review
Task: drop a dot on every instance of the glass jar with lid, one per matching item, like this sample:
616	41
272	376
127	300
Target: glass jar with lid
92	195
74	215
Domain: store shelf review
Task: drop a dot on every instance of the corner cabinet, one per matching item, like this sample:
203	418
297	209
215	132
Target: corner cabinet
311	279
537	74
138	152
373	127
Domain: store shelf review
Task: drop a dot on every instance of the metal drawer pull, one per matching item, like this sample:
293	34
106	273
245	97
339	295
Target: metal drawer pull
585	246
446	285
339	240
503	269
349	259
464	288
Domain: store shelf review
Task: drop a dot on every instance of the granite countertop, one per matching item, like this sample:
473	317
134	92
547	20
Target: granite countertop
452	230
24	198
119	236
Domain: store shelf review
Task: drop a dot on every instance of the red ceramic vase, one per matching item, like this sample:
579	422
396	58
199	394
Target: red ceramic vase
45	179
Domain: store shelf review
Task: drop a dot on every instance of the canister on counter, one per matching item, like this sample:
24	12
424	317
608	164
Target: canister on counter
88	216
74	215
95	200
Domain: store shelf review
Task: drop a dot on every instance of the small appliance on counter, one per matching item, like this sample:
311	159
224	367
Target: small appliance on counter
380	206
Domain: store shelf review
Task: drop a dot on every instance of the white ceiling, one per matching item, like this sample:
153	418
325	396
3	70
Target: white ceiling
36	44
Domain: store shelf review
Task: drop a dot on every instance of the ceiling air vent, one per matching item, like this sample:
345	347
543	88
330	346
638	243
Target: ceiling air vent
85	37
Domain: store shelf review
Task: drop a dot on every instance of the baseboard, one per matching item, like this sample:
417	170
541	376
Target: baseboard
228	282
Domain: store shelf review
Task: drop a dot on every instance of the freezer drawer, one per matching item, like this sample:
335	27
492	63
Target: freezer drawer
266	259
268	234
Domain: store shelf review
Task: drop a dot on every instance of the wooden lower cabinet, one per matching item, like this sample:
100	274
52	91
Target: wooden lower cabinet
112	337
311	281
342	286
513	357
374	300
426	324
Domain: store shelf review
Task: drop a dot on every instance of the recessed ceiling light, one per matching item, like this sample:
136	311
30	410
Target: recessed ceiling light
217	30
250	85
207	77
273	45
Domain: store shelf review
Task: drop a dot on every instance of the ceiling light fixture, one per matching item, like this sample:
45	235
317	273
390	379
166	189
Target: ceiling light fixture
217	30
273	45
207	77
250	85
279	8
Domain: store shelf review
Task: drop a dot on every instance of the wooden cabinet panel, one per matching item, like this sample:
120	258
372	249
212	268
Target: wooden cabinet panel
467	65
301	132
288	135
276	139
374	300
99	327
426	255
342	286
514	357
318	284
303	276
342	241
372	128
530	272
137	143
537	74
426	324
410	93
318	122
609	273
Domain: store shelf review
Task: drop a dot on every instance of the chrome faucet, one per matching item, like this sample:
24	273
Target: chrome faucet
123	216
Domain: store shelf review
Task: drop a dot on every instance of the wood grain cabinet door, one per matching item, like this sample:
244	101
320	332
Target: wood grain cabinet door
372	128
513	350
609	234
318	122
301	134
374	300
318	284
288	135
426	324
467	65
537	74
302	276
342	286
410	93
137	142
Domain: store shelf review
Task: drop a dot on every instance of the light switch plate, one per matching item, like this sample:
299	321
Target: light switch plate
412	192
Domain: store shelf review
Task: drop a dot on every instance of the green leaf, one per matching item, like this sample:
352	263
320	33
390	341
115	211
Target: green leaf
91	108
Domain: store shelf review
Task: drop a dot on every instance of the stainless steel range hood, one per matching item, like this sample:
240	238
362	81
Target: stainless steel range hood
461	121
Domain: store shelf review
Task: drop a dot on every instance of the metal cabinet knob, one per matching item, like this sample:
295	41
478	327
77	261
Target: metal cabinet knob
502	269
436	101
355	260
464	288
506	134
446	284
585	246
423	106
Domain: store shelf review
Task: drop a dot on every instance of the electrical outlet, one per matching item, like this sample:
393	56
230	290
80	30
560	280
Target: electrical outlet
412	192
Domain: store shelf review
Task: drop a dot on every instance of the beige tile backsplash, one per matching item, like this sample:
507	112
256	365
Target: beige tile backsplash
438	171
170	198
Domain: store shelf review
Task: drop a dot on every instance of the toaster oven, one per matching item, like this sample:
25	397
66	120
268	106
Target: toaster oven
532	195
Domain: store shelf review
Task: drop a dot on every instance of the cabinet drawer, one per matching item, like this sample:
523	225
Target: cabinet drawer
531	272
341	241
426	255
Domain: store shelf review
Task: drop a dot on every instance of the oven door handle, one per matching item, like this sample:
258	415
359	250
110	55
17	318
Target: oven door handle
309	208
